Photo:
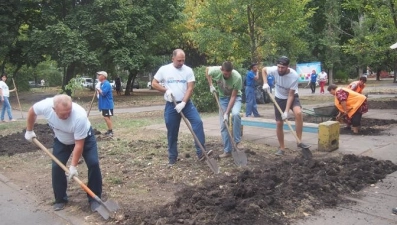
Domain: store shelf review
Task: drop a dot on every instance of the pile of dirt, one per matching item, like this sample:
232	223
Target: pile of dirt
275	194
16	143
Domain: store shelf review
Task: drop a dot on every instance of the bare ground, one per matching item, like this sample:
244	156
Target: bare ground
270	191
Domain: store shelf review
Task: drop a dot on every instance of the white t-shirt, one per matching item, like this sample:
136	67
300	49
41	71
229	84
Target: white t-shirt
97	86
283	84
67	131
175	79
322	76
4	88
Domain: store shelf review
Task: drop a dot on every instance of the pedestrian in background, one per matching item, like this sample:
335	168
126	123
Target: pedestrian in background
179	80
105	101
117	83
313	81
270	82
286	96
229	84
322	78
73	135
250	99
5	94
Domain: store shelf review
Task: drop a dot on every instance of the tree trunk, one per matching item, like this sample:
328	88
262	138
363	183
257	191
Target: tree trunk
378	74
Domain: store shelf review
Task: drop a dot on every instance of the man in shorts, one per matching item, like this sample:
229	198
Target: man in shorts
105	101
286	96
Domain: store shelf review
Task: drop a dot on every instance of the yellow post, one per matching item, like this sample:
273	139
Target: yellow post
328	136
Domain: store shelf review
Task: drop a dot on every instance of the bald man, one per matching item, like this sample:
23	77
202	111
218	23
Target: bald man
178	82
73	135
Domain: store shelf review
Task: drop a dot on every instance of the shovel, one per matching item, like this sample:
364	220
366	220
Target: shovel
240	158
307	154
19	103
92	101
105	209
210	162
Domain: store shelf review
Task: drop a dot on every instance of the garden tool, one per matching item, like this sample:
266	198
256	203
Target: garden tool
239	156
19	103
105	209
210	162
307	154
92	101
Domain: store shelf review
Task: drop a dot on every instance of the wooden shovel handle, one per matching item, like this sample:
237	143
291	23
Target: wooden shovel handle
85	188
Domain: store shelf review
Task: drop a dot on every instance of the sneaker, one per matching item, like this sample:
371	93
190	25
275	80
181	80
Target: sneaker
240	145
12	120
59	206
394	210
94	205
202	157
302	145
279	152
225	155
109	134
4	121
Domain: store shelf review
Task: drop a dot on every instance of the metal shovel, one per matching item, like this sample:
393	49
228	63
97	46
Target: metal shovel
307	154
240	158
105	209
210	161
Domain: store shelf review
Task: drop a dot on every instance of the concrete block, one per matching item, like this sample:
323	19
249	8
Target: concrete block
328	136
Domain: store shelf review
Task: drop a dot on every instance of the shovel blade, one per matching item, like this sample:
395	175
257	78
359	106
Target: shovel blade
107	209
103	212
240	158
111	205
213	165
307	154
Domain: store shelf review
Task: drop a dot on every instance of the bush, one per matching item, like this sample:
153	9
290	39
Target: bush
202	97
341	76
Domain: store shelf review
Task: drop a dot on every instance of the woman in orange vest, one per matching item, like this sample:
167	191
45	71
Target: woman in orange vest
359	85
351	106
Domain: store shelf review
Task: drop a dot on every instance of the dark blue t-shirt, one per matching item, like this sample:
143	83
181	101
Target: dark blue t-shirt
313	78
250	79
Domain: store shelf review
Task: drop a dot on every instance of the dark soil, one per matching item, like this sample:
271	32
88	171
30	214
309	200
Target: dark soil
274	194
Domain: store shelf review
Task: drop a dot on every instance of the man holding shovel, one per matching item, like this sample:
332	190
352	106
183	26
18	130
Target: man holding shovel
286	96
179	82
229	84
73	135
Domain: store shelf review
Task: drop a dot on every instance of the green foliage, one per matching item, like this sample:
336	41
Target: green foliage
202	97
74	85
341	76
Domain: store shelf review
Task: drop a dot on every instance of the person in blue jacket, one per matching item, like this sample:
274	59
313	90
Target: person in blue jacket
105	101
251	106
313	81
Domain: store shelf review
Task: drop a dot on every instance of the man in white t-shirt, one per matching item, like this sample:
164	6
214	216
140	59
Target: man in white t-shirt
178	82
73	135
286	96
4	95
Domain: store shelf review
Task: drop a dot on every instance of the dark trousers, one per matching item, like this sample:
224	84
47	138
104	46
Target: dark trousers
90	154
313	86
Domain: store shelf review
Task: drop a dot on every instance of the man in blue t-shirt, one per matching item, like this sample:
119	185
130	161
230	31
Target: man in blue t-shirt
313	81
251	106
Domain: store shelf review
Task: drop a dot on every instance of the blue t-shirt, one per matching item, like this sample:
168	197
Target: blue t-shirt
313	78
250	79
105	100
270	80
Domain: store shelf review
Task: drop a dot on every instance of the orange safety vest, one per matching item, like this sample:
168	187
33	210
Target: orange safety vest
359	88
353	102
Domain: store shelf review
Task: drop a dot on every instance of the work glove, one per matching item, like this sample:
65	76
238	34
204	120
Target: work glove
72	172
284	116
180	106
168	93
225	117
212	89
29	135
266	87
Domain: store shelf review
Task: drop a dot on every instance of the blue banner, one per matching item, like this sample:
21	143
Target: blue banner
304	70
